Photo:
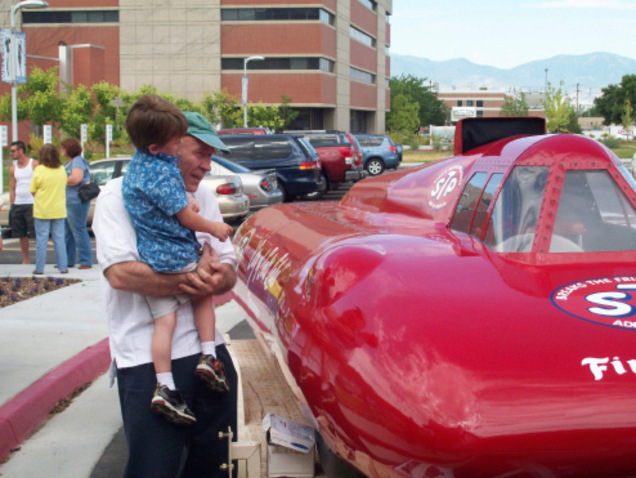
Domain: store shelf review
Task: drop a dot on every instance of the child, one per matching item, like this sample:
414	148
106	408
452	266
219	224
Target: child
155	198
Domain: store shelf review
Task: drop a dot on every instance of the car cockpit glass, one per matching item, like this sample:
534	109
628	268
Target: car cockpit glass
514	219
474	202
467	202
484	204
593	214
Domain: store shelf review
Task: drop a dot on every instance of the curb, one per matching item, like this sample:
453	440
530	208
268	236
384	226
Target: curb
20	416
25	412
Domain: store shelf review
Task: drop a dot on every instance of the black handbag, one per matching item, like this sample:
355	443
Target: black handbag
88	191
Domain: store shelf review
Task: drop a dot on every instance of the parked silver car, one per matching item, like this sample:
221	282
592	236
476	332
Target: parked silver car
4	209
234	204
260	186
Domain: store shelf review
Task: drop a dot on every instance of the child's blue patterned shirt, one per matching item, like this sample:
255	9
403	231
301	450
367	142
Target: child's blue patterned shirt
154	192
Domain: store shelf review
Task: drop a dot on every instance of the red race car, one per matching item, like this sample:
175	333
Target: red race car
471	318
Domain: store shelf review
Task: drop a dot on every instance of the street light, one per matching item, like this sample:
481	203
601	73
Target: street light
245	62
26	4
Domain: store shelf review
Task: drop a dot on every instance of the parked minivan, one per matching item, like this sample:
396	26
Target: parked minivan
298	173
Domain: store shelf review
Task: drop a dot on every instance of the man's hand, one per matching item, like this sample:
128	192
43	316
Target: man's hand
211	278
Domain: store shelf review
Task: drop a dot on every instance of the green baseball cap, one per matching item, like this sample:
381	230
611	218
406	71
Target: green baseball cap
200	128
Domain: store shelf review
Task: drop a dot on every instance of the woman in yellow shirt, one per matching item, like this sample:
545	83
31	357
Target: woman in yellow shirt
48	186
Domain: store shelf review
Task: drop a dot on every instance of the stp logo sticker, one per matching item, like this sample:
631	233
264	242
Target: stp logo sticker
609	301
443	187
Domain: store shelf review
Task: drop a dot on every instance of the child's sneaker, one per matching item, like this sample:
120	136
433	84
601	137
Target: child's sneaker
210	370
170	404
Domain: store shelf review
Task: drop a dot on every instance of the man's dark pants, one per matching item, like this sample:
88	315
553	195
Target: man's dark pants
155	446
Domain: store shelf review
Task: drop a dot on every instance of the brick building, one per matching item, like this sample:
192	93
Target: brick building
329	57
486	103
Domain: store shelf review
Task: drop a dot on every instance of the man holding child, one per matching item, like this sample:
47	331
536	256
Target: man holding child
156	445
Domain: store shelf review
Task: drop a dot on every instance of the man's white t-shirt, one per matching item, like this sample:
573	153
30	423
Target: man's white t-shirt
129	320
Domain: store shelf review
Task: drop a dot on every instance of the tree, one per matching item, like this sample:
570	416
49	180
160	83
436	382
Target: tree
611	104
628	116
220	108
267	116
559	113
77	110
287	114
38	99
107	112
431	110
405	118
515	106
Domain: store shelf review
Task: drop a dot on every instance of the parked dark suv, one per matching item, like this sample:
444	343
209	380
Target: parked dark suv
298	174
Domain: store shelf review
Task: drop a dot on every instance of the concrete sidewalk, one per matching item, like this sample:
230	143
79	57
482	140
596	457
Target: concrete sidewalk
49	345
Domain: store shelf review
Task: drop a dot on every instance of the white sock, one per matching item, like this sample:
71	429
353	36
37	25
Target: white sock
209	348
166	379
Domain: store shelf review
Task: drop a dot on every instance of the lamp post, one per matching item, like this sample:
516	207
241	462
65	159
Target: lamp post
245	62
26	4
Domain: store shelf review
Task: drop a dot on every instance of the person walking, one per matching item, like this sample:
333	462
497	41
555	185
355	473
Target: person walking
20	198
48	186
77	239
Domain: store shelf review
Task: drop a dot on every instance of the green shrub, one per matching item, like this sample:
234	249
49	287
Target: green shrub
413	142
611	142
35	143
436	141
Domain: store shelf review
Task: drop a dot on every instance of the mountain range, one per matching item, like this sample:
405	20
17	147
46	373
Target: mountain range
587	73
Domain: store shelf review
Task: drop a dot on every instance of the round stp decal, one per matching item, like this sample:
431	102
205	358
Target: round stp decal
444	185
609	301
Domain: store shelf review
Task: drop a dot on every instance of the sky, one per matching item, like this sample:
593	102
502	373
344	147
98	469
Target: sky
508	33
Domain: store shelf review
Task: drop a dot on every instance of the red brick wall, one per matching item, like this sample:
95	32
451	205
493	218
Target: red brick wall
44	42
88	66
305	88
363	96
363	57
331	4
243	40
364	18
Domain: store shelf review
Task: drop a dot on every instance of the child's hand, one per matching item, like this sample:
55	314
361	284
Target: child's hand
222	231
194	205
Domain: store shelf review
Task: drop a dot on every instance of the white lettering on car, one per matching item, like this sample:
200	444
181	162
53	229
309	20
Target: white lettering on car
605	301
612	307
444	185
598	366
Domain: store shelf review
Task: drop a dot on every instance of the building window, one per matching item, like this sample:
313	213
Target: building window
370	4
470	103
270	14
362	37
480	113
300	63
362	76
460	103
480	103
73	16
